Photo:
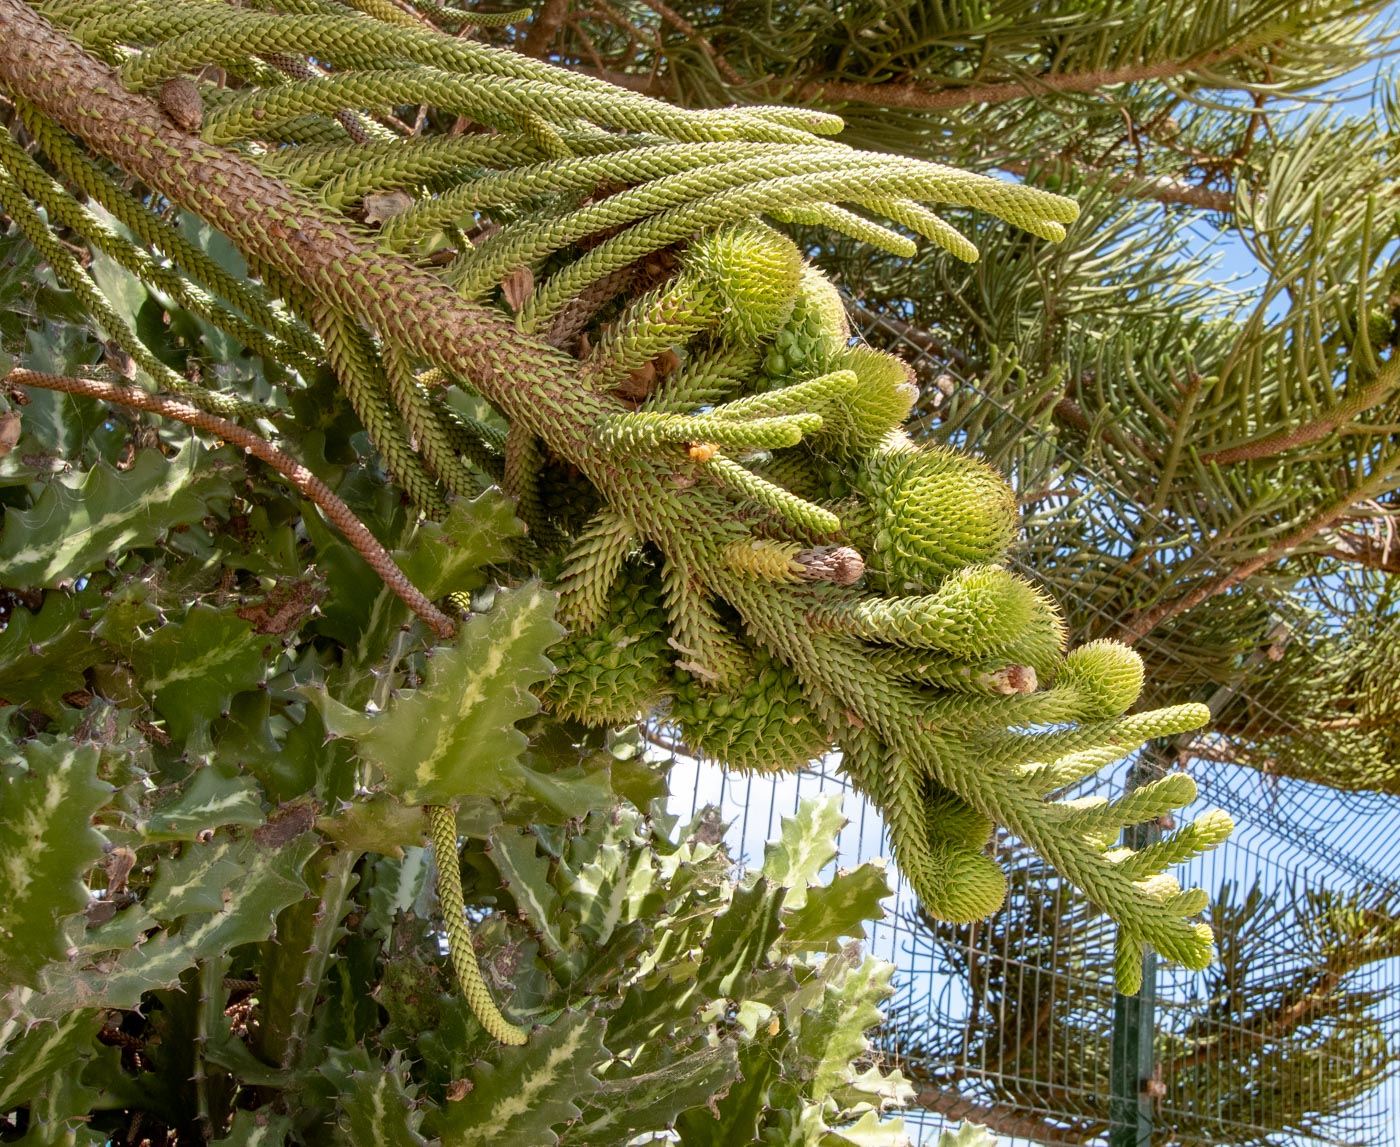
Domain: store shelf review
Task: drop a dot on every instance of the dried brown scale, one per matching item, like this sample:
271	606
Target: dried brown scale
299	69
180	99
840	565
302	478
570	322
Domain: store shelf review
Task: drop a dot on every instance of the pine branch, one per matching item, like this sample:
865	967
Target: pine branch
1139	625
1365	549
689	31
298	475
916	97
646	467
1277	1024
1371	395
544	26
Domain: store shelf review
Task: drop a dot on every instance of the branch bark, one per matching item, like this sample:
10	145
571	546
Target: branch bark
544	25
915	98
297	238
649	84
691	33
298	475
916	336
951	1105
1377	391
1161	188
1139	625
1365	550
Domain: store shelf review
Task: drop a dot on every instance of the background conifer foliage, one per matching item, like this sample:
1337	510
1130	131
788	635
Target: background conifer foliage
403	402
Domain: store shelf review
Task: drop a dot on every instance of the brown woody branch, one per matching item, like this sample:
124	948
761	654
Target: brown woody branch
1380	388
1275	1025
915	336
298	475
1139	625
1069	412
916	98
1159	188
650	84
953	1106
544	25
1365	550
691	33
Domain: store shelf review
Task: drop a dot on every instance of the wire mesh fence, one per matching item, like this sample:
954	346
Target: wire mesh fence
1289	1037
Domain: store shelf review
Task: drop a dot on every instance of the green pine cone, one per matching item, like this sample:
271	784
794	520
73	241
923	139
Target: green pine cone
756	272
951	820
815	334
1041	645
822	311
977	613
565	497
860	418
962	885
928	513
765	727
619	670
1107	676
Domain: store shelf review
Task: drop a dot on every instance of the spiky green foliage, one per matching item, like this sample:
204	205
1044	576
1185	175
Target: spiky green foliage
755	273
618	667
607	451
931	512
763	724
1205	455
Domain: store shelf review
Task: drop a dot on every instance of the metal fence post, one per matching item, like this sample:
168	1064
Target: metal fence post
1134	1017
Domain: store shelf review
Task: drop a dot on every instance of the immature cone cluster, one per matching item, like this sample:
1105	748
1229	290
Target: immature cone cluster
816	330
918	652
620	667
751	540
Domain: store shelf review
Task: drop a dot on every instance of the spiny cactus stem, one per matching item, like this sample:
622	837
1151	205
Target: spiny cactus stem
298	475
307	931
208	1017
442	827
